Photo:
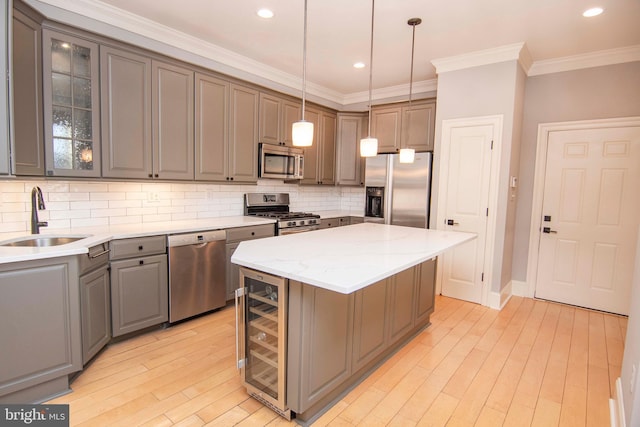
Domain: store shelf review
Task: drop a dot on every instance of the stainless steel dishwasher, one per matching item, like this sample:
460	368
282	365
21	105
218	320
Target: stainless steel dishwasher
197	276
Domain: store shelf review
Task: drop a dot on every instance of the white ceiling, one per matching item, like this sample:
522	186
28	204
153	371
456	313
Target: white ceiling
339	33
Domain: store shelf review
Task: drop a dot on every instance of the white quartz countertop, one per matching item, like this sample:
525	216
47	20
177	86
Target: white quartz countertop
346	259
101	234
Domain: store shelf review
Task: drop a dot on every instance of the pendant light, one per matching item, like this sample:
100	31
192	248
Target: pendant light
302	131
369	145
407	155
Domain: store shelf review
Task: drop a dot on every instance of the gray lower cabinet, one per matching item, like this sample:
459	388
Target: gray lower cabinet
334	339
95	303
139	284
234	237
370	323
425	290
320	344
335	222
40	329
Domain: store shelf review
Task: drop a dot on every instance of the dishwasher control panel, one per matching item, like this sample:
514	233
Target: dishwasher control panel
196	238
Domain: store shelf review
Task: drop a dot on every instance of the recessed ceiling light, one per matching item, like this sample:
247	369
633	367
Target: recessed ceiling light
358	65
594	11
265	13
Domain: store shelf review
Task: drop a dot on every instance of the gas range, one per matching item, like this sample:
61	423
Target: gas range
276	206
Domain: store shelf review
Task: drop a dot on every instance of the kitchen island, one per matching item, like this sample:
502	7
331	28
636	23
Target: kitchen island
322	310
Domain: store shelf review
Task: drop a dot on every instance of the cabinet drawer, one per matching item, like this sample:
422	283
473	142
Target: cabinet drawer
248	233
139	246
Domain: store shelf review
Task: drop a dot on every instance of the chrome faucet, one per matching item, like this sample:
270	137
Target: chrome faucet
36	196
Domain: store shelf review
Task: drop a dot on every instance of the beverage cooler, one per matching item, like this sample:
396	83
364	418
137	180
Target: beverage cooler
261	337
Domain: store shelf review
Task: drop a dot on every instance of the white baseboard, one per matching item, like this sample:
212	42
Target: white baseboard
497	300
520	289
616	407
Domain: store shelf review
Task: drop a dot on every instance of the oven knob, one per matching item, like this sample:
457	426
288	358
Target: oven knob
301	223
312	221
291	223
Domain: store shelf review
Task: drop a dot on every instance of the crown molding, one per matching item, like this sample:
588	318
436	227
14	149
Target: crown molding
136	25
587	60
511	52
391	92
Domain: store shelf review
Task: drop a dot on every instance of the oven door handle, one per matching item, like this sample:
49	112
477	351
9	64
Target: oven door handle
296	230
240	323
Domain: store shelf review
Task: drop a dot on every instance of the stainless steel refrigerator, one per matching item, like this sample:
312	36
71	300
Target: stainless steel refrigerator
398	193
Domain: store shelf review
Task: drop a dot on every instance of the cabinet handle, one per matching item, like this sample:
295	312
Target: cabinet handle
156	175
231	178
253	233
141	262
150	176
140	247
98	254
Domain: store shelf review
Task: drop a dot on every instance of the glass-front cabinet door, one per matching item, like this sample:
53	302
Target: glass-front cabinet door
71	105
263	336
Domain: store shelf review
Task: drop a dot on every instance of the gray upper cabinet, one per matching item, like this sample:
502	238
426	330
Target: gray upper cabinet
147	119
319	159
28	135
386	126
172	120
243	134
404	126
349	164
212	128
226	131
277	116
71	105
418	126
126	114
5	152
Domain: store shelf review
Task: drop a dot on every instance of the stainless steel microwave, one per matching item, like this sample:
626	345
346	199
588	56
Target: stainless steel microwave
280	162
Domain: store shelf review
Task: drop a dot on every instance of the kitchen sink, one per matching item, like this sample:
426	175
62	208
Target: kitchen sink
43	241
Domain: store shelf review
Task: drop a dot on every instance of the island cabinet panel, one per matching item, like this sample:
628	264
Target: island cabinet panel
370	323
320	344
337	339
425	290
401	303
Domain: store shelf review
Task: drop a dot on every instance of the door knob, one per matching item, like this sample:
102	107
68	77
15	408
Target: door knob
548	230
451	222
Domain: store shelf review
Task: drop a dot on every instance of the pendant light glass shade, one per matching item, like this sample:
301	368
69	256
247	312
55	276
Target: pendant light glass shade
407	155
369	145
302	133
302	130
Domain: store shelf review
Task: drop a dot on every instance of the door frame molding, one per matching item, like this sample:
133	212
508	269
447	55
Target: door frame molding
497	121
544	129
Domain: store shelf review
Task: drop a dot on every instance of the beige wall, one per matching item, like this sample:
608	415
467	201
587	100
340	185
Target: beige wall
593	93
495	89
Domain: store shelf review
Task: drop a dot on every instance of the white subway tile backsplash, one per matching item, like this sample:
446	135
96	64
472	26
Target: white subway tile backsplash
80	203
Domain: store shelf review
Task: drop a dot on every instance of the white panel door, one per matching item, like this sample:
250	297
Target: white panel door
465	180
591	212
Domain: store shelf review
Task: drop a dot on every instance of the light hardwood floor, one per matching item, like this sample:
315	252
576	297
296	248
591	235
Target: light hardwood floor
534	363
